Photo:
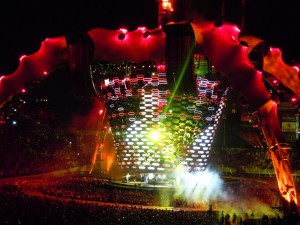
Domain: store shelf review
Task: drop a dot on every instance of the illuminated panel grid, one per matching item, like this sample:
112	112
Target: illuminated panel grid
153	132
213	103
192	122
135	115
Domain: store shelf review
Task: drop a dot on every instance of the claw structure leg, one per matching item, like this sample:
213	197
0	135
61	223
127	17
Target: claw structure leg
222	46
279	153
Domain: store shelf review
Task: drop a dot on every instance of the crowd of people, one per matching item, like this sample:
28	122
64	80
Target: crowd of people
89	201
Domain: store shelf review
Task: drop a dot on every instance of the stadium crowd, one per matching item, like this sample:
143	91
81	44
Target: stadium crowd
90	201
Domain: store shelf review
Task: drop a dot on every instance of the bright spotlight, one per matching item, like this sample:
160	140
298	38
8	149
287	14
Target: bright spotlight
154	135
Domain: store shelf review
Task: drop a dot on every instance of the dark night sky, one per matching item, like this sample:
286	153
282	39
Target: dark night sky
25	23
